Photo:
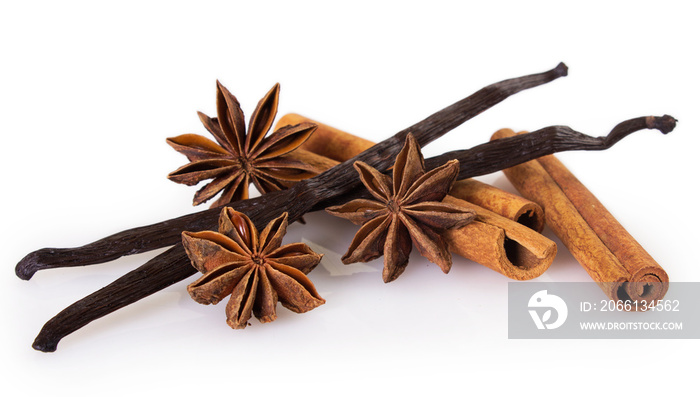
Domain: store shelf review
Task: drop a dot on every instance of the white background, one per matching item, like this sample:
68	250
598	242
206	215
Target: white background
88	94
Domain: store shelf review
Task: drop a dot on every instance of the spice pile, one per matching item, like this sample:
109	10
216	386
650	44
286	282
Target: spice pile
306	166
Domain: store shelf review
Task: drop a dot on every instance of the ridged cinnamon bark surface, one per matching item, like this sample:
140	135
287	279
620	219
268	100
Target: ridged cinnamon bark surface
506	204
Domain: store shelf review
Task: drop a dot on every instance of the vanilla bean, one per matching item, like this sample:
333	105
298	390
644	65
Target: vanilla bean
485	158
507	152
137	284
173	265
328	184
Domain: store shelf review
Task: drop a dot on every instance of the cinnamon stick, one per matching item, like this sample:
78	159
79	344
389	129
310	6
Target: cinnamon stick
501	244
497	242
610	255
506	204
328	141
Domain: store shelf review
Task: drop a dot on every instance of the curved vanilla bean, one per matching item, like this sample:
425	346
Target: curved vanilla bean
173	265
140	283
507	152
329	184
127	242
485	159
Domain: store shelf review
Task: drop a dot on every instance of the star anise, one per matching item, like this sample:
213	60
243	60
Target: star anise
252	268
407	210
239	158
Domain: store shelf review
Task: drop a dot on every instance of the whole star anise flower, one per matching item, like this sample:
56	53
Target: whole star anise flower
252	268
406	211
238	159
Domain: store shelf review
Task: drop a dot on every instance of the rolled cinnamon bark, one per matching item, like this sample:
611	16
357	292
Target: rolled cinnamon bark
495	241
610	255
501	244
328	141
501	202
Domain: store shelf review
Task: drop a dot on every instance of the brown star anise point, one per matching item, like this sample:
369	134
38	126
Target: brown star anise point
407	211
237	158
252	268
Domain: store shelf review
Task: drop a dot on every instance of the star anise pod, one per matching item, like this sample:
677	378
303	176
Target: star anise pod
252	268
407	212
237	159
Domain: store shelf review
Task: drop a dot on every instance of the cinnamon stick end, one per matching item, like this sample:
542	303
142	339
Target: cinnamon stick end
532	216
649	285
523	264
